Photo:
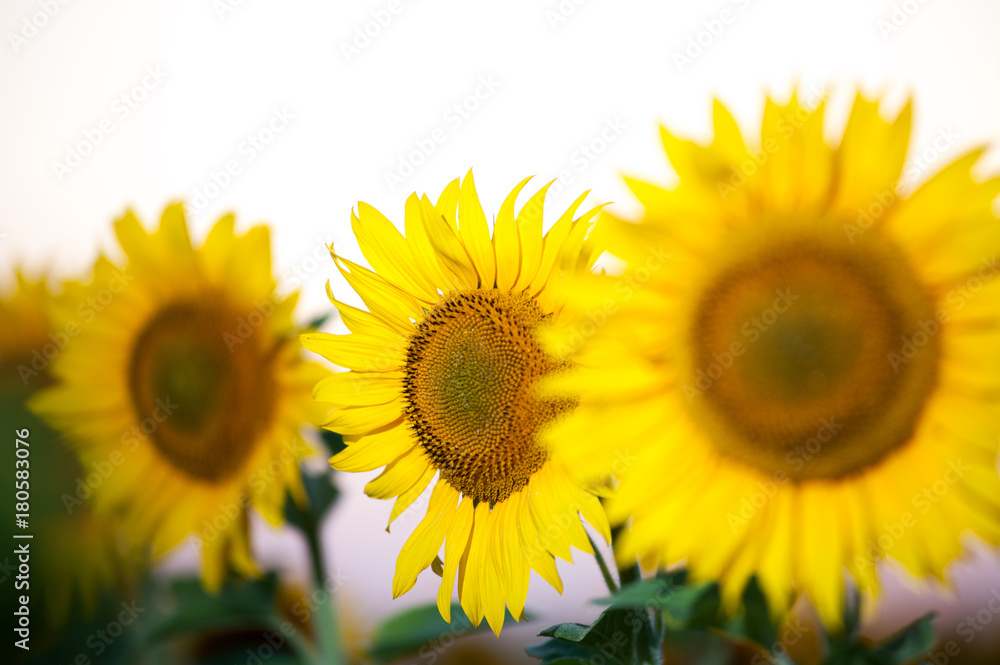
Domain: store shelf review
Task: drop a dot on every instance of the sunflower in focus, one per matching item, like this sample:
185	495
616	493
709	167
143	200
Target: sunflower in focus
804	373
444	365
184	388
45	471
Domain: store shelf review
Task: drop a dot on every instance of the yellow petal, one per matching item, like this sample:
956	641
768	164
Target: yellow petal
446	203
455	546
376	450
506	244
553	242
476	233
388	253
358	388
401	474
870	157
357	352
364	419
529	230
448	246
382	298
425	542
406	499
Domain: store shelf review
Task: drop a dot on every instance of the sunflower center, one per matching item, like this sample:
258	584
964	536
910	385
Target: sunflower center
812	356
471	371
201	401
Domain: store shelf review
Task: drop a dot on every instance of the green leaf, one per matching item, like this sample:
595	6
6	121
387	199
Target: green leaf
420	630
64	643
238	604
321	494
650	593
240	657
562	652
573	632
912	642
852	615
333	441
318	322
753	622
685	606
619	635
901	648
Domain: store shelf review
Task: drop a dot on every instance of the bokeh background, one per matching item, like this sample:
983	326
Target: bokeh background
290	112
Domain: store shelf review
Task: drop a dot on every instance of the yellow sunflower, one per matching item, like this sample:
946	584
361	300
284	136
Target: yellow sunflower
804	373
42	471
184	387
443	369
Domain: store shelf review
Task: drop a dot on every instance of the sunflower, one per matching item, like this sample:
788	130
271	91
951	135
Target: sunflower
43	470
443	364
799	373
184	388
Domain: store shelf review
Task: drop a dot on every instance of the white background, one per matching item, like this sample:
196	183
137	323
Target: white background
561	74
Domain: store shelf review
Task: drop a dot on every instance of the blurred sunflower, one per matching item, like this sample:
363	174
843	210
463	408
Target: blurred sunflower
187	386
443	369
49	472
810	381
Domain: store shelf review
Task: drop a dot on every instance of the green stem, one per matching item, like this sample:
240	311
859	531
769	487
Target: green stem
629	574
299	644
653	620
325	618
605	571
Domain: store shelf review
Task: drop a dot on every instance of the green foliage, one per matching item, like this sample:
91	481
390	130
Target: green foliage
420	630
86	634
642	614
318	322
686	614
620	636
321	495
333	441
240	603
905	646
240	623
